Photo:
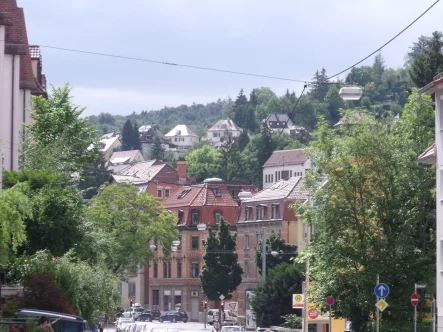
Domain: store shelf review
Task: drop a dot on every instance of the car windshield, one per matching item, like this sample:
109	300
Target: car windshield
139	310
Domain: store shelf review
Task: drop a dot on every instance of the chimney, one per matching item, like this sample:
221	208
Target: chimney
181	170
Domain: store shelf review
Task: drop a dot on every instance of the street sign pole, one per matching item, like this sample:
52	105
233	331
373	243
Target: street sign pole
377	326
330	318
415	310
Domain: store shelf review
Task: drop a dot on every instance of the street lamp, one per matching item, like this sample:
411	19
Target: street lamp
350	93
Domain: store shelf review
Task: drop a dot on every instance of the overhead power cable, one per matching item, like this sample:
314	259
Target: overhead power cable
172	64
388	42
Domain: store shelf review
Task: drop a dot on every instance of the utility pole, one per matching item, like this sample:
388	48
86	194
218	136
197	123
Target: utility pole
306	295
436	87
377	313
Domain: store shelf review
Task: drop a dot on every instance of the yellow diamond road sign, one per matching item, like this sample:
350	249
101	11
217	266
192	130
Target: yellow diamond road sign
381	304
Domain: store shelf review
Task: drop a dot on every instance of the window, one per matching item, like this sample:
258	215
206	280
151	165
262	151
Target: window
155	297
246	271
260	212
274	212
290	174
246	240
195	242
179	269
184	193
155	270
159	192
168	169
257	238
180	216
195	270
167	192
179	247
166	269
276	176
247	213
175	139
195	217
272	177
218	215
215	134
216	192
131	289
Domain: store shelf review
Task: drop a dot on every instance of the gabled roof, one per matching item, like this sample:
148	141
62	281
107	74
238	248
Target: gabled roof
108	142
120	157
181	130
138	173
225	125
279	117
292	188
350	119
286	157
428	156
201	195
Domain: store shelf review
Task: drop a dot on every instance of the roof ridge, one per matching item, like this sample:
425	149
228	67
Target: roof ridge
196	194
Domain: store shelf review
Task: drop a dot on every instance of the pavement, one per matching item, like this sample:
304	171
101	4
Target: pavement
170	327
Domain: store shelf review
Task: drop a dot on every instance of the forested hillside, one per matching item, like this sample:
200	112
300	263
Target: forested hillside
385	92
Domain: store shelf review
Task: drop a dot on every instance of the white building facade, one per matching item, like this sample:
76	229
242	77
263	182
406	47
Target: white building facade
283	165
183	137
219	133
20	78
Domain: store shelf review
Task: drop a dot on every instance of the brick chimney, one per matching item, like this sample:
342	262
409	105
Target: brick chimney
181	170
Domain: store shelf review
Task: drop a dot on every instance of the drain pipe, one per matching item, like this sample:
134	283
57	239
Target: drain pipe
12	111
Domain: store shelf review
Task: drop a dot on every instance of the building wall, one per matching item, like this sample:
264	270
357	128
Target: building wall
139	280
2	96
273	174
184	142
115	145
221	136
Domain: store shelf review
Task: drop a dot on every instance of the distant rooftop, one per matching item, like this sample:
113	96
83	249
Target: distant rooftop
286	157
181	130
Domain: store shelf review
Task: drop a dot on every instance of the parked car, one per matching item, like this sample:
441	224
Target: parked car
149	315
136	312
231	328
228	317
59	321
174	316
122	322
264	329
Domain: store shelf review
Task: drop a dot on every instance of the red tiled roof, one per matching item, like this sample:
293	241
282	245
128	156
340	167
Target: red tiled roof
292	188
27	79
201	195
286	157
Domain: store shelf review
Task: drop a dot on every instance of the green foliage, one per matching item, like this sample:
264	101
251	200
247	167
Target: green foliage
10	306
14	209
158	152
243	112
221	273
94	176
426	59
230	161
375	215
129	219
130	136
57	138
243	140
273	298
275	243
203	162
89	290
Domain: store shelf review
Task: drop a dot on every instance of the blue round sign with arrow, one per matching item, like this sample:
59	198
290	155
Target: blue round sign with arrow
381	290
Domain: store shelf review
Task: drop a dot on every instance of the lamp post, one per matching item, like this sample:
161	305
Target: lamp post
436	87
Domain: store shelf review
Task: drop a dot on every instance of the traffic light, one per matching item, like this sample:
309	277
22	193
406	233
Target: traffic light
205	303
222	305
130	302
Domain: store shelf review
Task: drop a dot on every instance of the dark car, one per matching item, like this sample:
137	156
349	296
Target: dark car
59	321
149	315
174	316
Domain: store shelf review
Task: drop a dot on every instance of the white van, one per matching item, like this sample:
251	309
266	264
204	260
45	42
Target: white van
228	316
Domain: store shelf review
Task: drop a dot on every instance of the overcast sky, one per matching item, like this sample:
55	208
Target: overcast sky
287	38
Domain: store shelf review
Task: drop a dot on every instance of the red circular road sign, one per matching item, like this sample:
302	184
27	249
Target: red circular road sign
330	300
313	313
414	299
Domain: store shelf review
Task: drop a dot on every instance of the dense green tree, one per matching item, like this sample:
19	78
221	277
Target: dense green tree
221	273
335	103
57	138
378	68
377	208
243	112
230	161
136	137
273	298
243	140
129	219
319	85
427	59
128	136
93	177
359	75
202	162
274	242
158	151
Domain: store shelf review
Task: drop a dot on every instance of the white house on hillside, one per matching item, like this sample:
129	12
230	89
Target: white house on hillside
283	165
108	144
219	132
183	137
278	122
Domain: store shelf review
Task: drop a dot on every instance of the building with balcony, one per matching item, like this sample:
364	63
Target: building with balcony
182	137
20	78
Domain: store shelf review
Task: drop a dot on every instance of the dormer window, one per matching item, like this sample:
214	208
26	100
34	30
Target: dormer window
248	213
180	216
184	193
217	192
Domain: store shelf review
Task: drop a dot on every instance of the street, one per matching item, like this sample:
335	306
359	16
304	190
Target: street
163	327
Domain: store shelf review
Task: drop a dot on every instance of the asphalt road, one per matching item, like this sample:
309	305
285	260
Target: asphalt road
170	327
